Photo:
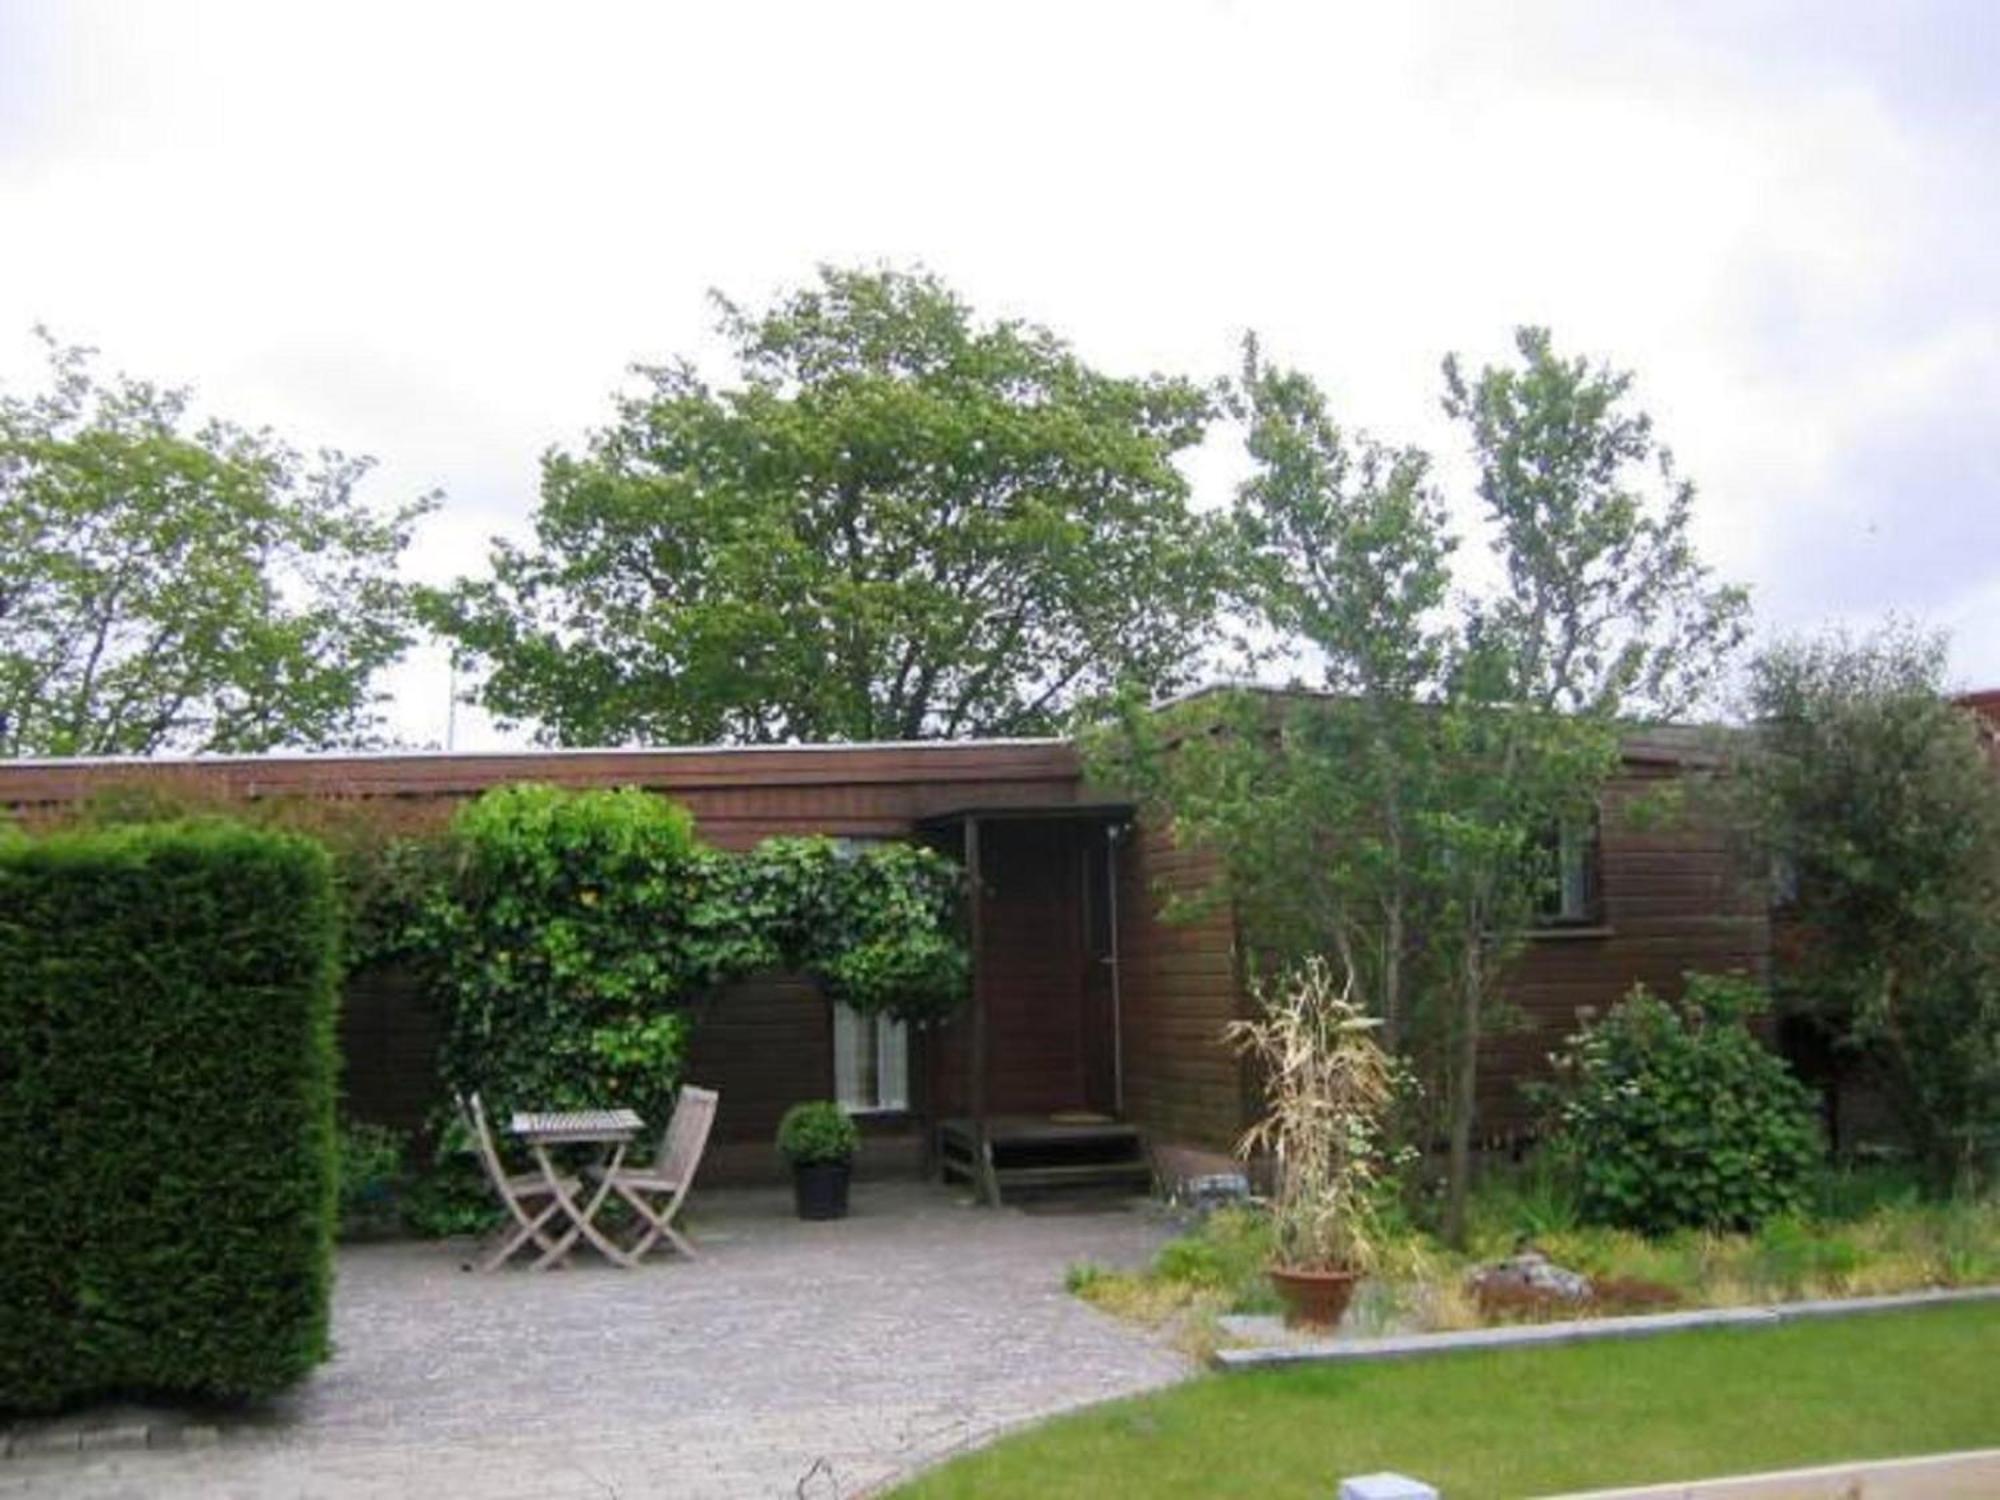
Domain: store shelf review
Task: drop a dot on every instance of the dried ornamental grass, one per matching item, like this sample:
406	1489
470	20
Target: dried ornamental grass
1327	1085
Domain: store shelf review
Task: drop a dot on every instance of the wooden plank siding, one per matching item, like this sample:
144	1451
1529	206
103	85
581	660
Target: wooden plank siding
1671	904
765	1043
1673	901
1179	986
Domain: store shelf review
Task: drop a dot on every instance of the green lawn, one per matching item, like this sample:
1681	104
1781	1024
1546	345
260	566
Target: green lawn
1529	1422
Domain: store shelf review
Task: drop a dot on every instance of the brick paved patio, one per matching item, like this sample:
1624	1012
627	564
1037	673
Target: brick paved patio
794	1359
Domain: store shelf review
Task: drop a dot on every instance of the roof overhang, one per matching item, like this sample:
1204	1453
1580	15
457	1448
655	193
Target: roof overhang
1096	812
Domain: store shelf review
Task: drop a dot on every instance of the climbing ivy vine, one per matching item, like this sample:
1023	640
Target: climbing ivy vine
571	932
572	937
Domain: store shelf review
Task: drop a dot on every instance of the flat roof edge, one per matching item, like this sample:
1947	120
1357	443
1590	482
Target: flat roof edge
332	757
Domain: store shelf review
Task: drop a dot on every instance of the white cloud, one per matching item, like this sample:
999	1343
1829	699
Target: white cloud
437	233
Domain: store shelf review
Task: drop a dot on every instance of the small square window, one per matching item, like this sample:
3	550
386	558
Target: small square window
1573	896
871	1062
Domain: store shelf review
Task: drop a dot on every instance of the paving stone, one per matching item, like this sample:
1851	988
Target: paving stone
57	1437
114	1435
851	1352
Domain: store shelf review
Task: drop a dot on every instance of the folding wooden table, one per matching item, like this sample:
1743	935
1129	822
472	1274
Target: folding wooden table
611	1130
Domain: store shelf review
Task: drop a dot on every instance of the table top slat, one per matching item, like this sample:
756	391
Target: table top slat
576	1124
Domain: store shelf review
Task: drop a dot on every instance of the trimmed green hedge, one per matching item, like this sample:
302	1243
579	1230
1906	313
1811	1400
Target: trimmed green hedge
167	1151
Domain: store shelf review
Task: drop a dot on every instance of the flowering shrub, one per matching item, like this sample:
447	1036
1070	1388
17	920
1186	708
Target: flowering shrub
1678	1116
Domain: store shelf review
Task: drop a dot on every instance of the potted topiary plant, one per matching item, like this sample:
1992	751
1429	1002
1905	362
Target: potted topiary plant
1328	1085
819	1140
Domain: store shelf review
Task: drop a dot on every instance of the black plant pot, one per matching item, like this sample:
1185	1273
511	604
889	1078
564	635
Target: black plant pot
820	1189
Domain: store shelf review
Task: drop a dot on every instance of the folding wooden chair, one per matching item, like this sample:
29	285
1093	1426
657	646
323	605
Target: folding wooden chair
522	1192
656	1191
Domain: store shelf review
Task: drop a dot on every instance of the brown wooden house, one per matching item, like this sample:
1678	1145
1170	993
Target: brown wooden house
1094	1028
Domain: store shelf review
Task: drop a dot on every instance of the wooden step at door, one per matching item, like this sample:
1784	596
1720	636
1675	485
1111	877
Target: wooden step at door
1027	1154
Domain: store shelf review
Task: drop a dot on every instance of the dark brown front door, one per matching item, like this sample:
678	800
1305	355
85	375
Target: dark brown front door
1033	977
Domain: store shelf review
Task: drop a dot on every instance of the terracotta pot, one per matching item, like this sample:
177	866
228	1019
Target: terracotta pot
1313	1299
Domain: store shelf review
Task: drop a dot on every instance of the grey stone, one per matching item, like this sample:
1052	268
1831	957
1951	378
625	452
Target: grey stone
1584	1330
1415	1345
1213	1190
1532	1271
1843	1307
1386	1486
1254	1328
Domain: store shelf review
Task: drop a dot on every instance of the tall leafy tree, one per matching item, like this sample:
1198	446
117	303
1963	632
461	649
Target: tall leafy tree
1605	614
1344	549
167	585
1400	815
1876	792
897	522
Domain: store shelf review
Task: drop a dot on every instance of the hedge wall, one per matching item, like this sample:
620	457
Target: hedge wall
167	1074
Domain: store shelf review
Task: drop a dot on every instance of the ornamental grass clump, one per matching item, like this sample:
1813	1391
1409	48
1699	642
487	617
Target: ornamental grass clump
1328	1086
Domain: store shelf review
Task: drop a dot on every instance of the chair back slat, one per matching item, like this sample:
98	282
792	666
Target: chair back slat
687	1132
473	1112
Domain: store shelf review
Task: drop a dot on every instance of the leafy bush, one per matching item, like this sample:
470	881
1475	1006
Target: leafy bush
576	927
1879	793
451	1195
1793	1253
894	945
167	1073
1678	1116
816	1132
879	926
574	922
371	1178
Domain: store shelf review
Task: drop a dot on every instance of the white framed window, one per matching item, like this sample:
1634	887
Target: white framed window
871	1054
871	1062
1574	895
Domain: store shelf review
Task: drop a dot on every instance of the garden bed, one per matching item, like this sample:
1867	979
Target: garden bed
1869	1234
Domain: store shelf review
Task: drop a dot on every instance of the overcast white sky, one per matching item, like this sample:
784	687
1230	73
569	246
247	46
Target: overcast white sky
439	233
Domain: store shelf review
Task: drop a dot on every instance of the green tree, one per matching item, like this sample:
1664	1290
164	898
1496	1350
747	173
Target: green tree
1876	792
166	585
1605	614
1344	548
1400	815
898	523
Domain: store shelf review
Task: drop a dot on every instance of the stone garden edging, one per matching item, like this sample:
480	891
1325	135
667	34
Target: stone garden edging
1584	1330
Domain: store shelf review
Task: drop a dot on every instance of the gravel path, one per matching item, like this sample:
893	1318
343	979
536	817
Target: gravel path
794	1359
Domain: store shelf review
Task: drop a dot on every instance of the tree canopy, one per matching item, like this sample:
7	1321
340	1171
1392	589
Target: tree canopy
172	586
1875	792
1401	813
898	522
